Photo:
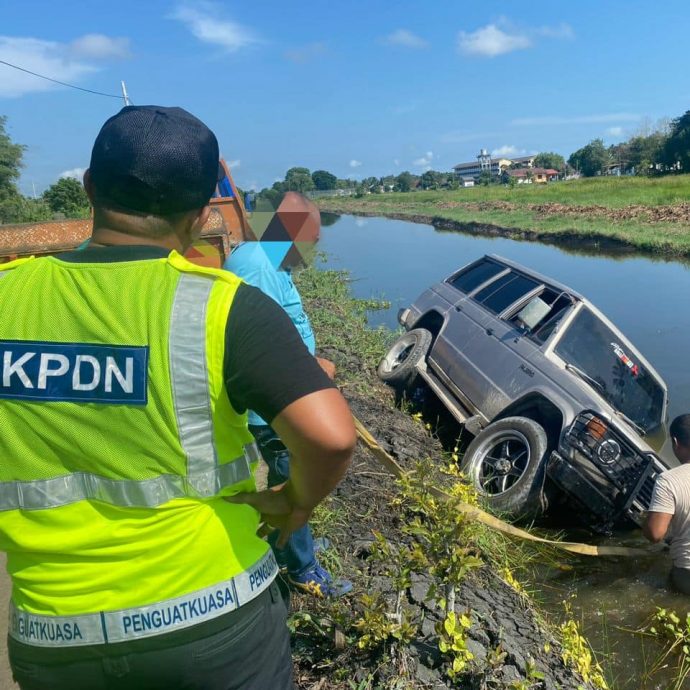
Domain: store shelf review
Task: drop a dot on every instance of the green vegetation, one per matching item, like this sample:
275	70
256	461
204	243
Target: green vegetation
67	197
650	214
590	160
673	632
14	207
64	199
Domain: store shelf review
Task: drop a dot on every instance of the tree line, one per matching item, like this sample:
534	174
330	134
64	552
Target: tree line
660	150
64	199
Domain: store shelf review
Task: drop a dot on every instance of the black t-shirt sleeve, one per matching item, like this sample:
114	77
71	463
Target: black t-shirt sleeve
267	365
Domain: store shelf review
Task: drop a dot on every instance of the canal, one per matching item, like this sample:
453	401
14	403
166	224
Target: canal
646	297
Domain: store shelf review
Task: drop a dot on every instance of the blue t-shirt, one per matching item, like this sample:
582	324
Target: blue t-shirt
250	262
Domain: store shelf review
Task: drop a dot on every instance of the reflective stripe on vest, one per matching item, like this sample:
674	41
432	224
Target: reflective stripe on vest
144	621
205	477
190	380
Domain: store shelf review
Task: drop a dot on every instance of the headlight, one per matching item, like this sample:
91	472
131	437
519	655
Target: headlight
607	449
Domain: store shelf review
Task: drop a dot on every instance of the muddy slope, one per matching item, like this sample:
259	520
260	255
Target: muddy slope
506	637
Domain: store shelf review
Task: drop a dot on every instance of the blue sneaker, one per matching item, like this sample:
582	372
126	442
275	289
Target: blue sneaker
317	582
320	544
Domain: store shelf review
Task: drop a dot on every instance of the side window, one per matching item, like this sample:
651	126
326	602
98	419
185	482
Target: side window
507	289
540	316
472	277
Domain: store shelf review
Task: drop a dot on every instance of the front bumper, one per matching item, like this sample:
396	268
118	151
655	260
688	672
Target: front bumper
600	505
603	471
604	503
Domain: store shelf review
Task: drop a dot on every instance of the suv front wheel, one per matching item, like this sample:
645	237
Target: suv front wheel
399	367
506	463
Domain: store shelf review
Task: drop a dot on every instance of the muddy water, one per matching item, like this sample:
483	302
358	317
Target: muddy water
647	298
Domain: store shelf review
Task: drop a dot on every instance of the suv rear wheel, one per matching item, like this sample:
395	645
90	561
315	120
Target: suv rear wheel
506	463
399	366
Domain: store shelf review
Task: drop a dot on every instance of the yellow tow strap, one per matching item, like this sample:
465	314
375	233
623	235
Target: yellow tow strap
485	518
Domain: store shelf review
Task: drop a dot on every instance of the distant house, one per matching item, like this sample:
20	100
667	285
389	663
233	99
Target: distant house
524	161
533	175
496	166
475	168
466	181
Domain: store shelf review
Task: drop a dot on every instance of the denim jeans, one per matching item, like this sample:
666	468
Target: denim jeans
298	554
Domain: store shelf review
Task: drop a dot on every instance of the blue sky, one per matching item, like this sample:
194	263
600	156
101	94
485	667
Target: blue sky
358	88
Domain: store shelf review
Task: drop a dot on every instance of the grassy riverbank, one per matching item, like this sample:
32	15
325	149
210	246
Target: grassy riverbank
403	550
649	214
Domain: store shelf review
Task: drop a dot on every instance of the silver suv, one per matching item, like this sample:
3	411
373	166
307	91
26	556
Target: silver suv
558	399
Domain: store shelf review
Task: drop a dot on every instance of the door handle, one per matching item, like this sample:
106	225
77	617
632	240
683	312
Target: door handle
458	308
489	331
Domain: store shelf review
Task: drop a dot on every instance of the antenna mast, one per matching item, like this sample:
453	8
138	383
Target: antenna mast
125	97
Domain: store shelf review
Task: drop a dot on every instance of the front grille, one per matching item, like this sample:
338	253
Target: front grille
613	456
644	495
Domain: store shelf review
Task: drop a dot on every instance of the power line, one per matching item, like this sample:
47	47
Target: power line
62	83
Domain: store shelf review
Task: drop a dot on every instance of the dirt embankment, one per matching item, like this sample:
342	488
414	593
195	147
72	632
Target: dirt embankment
676	213
664	224
511	647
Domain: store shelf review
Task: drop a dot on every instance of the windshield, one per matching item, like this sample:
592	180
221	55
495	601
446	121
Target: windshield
617	373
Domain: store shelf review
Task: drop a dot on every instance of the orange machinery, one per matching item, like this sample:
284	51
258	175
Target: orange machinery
223	230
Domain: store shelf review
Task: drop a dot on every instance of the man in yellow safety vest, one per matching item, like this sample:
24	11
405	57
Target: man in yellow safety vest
128	508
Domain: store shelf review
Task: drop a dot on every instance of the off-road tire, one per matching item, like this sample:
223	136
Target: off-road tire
398	368
525	499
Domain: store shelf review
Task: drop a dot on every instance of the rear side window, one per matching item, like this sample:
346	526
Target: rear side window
542	314
474	276
507	289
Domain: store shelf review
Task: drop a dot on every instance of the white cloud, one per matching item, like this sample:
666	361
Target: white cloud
490	41
306	53
405	38
425	160
233	165
504	37
575	120
615	131
66	62
355	163
49	58
203	20
101	47
74	173
396	162
508	150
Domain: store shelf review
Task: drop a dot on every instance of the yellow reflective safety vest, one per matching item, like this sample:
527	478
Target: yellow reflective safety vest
117	442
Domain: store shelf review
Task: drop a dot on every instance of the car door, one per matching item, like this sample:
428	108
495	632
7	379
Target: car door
463	324
490	371
517	339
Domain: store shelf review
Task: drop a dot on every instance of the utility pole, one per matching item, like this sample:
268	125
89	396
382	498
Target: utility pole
125	97
33	184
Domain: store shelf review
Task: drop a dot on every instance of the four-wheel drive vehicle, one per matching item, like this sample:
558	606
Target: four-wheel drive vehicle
557	397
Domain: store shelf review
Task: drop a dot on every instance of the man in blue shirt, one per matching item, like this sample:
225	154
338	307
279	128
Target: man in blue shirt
285	241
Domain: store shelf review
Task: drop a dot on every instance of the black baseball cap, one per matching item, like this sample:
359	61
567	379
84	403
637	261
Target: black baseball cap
154	160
